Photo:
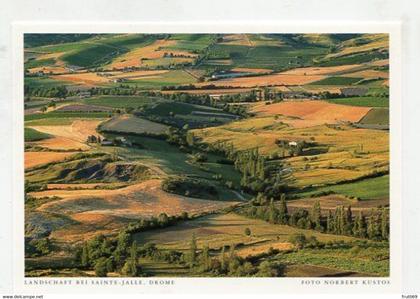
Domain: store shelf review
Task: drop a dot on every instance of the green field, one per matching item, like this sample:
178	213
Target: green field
178	114
353	59
359	258
133	124
92	55
37	40
271	57
164	109
191	42
375	116
372	188
38	63
121	101
105	49
34	135
63	115
362	101
95	50
44	82
174	161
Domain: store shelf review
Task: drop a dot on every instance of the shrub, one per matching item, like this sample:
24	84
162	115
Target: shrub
247	231
299	240
101	267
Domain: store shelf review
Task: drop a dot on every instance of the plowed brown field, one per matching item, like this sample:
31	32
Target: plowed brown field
311	113
38	158
87	79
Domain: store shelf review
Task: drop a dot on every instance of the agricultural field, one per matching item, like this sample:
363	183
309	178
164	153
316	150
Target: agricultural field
206	155
362	101
121	101
133	124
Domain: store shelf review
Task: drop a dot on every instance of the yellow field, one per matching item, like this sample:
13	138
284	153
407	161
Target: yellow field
221	91
310	71
83	186
137	74
263	248
367	74
311	113
381	62
68	137
38	158
237	39
87	79
54	55
141	56
106	211
251	70
316	88
49	70
220	230
347	153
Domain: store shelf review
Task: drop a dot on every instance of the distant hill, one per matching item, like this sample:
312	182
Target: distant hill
42	39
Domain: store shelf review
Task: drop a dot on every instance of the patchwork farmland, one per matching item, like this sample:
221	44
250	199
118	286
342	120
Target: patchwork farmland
206	155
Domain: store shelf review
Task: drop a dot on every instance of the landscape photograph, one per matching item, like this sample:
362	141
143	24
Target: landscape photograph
206	155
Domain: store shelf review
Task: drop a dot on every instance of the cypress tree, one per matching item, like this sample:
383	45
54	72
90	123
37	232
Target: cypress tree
232	252
356	225
384	224
343	221
338	221
85	255
223	259
316	216
371	226
205	259
272	212
193	251
330	222
283	212
362	226
349	221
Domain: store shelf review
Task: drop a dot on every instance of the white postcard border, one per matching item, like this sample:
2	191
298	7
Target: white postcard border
391	284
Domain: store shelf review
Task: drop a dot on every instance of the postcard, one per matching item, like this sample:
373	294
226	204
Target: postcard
159	157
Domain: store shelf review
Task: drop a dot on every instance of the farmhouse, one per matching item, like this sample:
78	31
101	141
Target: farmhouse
354	91
293	143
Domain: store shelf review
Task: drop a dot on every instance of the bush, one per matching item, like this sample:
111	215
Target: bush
247	231
299	240
190	187
267	269
101	269
130	268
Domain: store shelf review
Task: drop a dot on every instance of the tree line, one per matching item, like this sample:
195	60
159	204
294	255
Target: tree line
341	221
47	92
259	175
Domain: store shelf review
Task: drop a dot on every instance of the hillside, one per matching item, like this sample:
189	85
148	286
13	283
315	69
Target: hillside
163	154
